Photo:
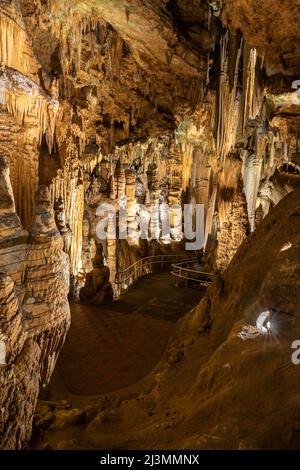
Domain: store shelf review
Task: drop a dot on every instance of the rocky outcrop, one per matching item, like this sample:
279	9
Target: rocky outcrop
278	43
97	288
34	311
47	285
233	232
19	375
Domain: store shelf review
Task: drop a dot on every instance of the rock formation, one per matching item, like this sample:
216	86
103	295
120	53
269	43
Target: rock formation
97	287
206	392
35	315
150	105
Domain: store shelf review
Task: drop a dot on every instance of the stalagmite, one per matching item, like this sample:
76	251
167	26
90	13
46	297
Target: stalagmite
47	285
97	288
120	179
131	205
36	288
60	219
111	252
153	186
174	193
71	191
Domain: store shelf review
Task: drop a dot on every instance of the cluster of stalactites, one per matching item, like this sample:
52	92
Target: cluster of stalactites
73	29
23	98
235	110
70	189
239	110
14	48
228	106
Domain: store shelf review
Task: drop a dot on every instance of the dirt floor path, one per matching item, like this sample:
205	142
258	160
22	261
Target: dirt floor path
115	345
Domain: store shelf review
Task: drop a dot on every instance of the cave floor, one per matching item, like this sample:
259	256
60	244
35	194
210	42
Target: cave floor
114	345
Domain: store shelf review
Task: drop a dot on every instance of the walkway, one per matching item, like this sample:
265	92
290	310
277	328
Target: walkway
115	345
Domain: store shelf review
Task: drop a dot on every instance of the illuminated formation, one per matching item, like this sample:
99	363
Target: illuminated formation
150	106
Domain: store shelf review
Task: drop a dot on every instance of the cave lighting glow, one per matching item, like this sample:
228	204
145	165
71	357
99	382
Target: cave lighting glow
263	322
286	246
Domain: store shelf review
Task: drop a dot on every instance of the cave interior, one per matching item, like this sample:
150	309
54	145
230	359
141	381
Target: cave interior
149	224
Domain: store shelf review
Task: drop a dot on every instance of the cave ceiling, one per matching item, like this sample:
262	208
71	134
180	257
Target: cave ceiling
159	103
271	27
148	57
146	62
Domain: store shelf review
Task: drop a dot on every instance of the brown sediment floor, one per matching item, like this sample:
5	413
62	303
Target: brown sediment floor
112	346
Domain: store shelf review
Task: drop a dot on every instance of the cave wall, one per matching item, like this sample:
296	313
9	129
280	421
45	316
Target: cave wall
90	88
172	110
104	91
35	315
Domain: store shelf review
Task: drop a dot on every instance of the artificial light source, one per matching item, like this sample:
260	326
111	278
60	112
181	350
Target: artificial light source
286	246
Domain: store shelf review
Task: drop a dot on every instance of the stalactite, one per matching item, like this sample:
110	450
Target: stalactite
14	49
71	191
23	98
131	201
111	245
120	179
187	162
210	214
250	108
228	104
30	115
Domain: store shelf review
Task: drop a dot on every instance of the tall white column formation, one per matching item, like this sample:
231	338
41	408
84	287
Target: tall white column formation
154	192
131	205
252	169
71	190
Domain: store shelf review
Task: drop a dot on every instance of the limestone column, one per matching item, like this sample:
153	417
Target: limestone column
131	201
47	284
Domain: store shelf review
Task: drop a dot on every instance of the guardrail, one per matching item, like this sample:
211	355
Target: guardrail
190	270
156	263
187	269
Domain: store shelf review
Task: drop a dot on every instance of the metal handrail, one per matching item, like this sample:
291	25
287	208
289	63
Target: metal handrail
128	276
189	274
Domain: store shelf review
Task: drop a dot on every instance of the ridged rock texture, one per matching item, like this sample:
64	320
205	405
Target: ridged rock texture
34	309
153	83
